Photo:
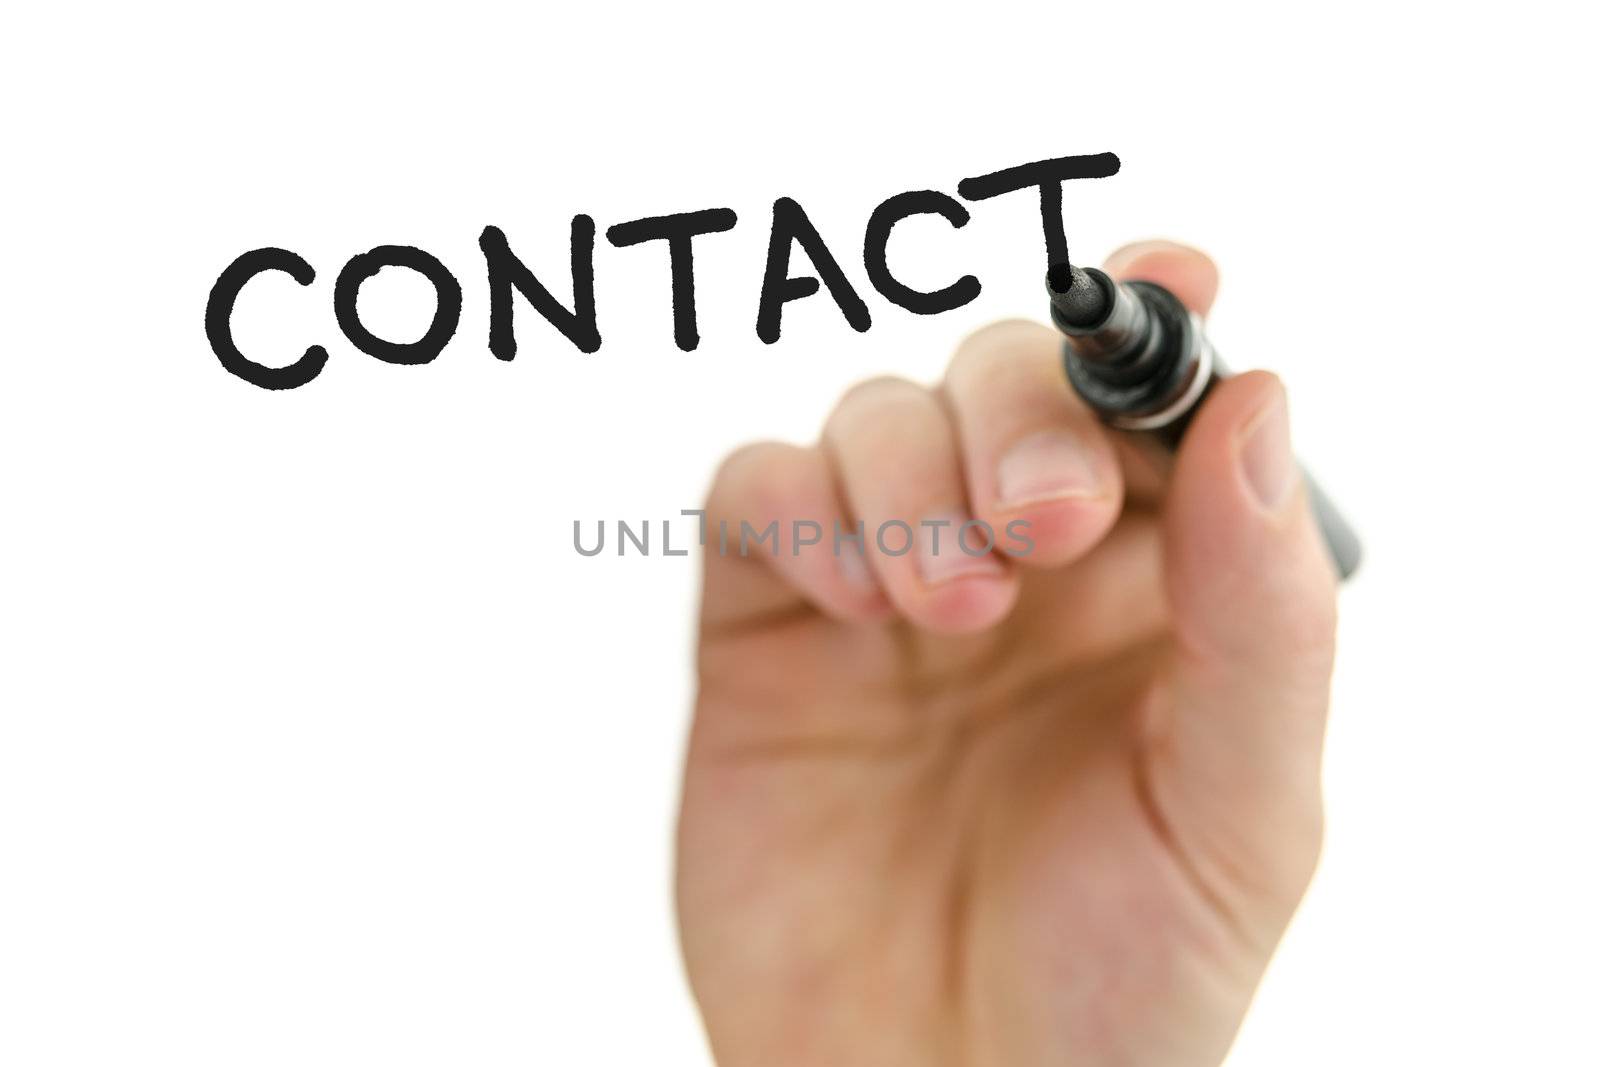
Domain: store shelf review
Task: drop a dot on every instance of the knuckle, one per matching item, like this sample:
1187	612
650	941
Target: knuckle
1306	637
865	403
746	466
996	337
994	349
1003	330
1317	622
881	389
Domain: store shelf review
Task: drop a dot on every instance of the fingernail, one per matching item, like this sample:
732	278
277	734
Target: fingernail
1264	453
940	555
1051	465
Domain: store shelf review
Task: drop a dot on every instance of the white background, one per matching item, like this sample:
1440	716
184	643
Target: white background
320	744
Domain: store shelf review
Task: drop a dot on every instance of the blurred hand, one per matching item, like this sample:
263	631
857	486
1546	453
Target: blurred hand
1005	811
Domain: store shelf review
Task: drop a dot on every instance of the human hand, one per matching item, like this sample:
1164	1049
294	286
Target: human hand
1052	808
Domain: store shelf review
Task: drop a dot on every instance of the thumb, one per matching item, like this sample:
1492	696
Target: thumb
1237	743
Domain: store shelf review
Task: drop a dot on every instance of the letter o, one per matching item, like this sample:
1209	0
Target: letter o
902	525
446	316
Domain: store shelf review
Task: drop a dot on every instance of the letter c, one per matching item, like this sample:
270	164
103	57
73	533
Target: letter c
963	290
219	315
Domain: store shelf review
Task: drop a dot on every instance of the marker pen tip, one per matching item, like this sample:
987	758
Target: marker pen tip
1078	299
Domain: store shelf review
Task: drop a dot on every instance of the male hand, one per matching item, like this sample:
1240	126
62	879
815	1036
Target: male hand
1006	810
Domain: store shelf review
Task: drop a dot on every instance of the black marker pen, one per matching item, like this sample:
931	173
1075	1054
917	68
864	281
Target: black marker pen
1138	357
